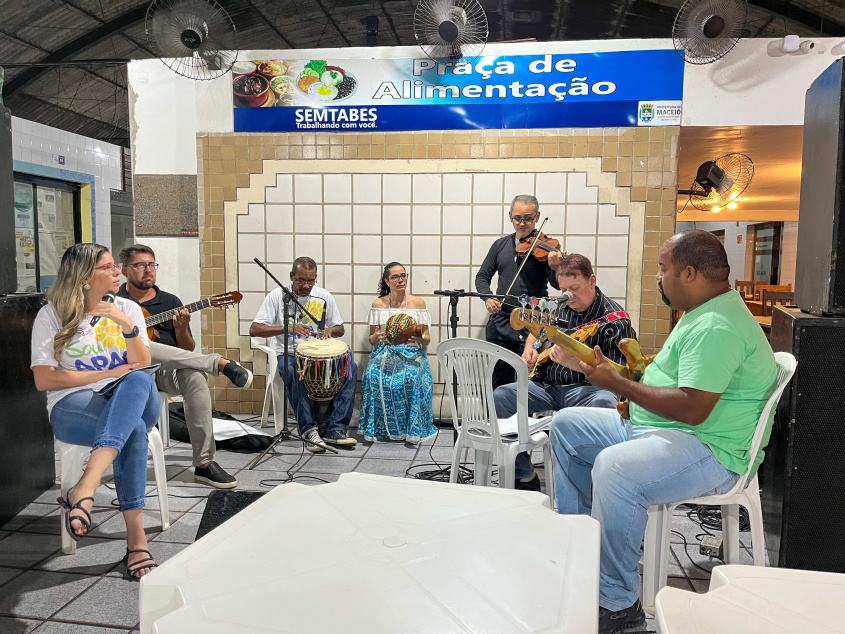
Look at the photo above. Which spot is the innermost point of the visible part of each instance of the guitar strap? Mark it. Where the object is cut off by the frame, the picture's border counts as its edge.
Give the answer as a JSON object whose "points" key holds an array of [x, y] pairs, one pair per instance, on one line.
{"points": [[619, 314]]}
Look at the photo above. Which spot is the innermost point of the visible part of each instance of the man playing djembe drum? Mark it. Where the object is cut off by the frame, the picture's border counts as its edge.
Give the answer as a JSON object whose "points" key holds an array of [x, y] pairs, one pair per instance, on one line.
{"points": [[268, 323]]}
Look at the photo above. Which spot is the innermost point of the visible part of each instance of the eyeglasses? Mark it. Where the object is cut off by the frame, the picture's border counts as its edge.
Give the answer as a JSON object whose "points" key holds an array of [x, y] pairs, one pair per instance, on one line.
{"points": [[303, 282], [140, 266], [520, 220], [401, 276], [110, 268]]}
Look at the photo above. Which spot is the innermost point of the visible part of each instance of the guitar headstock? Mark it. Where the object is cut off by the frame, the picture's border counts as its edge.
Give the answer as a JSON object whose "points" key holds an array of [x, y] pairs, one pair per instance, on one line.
{"points": [[226, 299], [532, 318]]}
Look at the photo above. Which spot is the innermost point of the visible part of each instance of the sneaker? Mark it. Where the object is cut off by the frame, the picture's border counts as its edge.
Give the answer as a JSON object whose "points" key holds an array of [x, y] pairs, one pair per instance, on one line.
{"points": [[611, 622], [237, 374], [213, 475], [314, 436], [340, 438], [530, 484]]}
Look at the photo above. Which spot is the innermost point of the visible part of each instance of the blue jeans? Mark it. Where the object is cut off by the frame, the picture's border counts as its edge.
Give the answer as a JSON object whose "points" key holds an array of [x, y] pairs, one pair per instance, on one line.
{"points": [[613, 471], [121, 422], [543, 397], [341, 415]]}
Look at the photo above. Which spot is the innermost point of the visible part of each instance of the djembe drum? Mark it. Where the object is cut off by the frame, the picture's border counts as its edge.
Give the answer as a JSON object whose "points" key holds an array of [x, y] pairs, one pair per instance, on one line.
{"points": [[323, 365]]}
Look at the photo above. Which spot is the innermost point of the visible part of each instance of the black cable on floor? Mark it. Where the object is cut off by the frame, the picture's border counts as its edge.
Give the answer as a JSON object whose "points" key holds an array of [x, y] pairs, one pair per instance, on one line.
{"points": [[711, 517]]}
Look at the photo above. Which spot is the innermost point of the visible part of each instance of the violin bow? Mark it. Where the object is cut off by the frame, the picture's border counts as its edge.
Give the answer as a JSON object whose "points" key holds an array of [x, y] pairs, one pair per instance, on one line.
{"points": [[525, 259]]}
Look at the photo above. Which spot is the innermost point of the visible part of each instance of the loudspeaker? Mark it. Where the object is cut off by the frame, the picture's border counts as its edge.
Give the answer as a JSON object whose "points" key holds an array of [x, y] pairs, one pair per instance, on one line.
{"points": [[819, 277], [8, 269], [803, 474]]}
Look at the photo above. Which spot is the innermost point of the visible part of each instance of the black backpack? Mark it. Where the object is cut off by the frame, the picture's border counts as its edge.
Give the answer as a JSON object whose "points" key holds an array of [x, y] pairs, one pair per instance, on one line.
{"points": [[248, 443]]}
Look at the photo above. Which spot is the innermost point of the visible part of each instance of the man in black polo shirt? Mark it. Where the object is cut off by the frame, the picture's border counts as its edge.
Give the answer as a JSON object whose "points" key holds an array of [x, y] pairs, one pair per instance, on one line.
{"points": [[534, 281], [182, 370], [560, 383]]}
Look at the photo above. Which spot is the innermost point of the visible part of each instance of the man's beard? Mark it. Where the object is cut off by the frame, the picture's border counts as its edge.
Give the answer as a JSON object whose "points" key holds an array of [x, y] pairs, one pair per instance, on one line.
{"points": [[144, 284], [663, 295]]}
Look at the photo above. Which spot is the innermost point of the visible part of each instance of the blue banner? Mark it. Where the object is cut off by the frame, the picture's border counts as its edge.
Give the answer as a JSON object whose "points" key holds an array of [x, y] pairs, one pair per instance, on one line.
{"points": [[616, 89]]}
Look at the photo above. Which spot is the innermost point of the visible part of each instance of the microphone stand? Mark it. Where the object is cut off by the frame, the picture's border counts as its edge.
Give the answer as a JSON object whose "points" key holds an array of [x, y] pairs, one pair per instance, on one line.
{"points": [[288, 297]]}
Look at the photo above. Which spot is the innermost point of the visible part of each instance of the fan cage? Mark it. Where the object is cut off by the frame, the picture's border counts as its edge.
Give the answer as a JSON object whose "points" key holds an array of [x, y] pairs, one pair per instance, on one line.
{"points": [[167, 20], [469, 19], [739, 171], [707, 30]]}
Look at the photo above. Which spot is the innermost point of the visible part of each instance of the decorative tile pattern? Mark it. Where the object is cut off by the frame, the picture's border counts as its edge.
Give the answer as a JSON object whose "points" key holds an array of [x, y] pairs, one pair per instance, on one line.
{"points": [[424, 213]]}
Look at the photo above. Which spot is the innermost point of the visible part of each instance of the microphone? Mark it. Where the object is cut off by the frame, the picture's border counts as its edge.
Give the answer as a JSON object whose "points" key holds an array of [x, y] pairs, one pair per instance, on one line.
{"points": [[108, 297], [567, 296]]}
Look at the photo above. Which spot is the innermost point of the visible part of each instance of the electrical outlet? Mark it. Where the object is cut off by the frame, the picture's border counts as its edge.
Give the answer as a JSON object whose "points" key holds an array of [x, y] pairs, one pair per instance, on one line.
{"points": [[711, 546]]}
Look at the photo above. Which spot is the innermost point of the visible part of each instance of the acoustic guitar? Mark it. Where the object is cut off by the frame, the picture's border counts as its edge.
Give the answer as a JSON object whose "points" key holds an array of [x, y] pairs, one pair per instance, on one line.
{"points": [[225, 300], [540, 322]]}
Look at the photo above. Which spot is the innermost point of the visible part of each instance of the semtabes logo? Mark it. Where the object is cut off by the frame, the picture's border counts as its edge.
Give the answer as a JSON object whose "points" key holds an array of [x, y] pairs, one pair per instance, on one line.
{"points": [[646, 112]]}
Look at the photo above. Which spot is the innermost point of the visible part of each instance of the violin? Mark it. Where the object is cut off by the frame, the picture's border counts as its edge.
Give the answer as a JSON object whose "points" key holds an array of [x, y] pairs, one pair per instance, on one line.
{"points": [[545, 245]]}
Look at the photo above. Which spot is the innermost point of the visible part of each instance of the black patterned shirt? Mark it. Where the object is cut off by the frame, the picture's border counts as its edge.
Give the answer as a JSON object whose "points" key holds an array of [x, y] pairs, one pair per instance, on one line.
{"points": [[607, 338]]}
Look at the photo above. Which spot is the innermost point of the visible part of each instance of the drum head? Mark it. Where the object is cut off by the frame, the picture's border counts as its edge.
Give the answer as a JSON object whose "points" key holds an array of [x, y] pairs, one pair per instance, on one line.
{"points": [[322, 348]]}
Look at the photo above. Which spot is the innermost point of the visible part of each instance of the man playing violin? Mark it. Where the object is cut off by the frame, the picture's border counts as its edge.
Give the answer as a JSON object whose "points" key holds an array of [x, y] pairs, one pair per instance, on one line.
{"points": [[533, 280], [692, 419], [560, 382], [183, 371]]}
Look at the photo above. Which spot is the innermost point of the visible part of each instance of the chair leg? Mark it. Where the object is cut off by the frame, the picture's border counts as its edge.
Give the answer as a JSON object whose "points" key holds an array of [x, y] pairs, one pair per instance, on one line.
{"points": [[157, 452], [164, 419], [456, 458], [507, 469], [550, 476], [72, 460], [656, 553], [278, 404], [482, 468], [265, 410], [730, 533], [755, 517]]}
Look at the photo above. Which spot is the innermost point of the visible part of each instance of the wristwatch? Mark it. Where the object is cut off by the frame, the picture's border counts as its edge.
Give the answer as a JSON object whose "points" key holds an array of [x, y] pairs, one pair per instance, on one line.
{"points": [[132, 334]]}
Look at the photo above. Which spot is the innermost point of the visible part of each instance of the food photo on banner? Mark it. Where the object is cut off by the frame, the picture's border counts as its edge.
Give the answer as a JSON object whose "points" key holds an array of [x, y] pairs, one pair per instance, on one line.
{"points": [[623, 88]]}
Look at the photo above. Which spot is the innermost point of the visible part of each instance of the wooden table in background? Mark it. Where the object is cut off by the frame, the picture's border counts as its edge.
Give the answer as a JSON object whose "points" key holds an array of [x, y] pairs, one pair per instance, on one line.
{"points": [[756, 307]]}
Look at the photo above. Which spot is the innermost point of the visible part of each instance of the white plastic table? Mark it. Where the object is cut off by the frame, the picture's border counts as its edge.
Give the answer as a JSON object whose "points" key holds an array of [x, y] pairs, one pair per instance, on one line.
{"points": [[381, 554], [756, 600]]}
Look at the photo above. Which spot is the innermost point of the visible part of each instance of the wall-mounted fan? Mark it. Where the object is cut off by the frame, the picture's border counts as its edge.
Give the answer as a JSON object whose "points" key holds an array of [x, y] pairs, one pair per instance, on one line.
{"points": [[195, 38], [706, 30], [451, 29], [721, 181]]}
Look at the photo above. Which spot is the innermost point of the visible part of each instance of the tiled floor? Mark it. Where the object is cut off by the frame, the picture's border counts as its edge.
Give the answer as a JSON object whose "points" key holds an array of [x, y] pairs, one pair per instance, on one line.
{"points": [[46, 592]]}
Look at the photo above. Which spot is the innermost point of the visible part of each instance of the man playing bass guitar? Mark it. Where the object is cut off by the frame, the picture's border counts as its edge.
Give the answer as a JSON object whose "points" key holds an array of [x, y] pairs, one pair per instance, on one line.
{"points": [[182, 371], [560, 383]]}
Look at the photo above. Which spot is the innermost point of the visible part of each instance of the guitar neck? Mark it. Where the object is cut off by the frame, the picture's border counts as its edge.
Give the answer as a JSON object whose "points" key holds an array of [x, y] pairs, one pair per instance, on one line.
{"points": [[167, 315]]}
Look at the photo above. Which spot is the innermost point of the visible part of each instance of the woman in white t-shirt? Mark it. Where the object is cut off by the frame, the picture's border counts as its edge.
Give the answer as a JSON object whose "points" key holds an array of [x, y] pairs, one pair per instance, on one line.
{"points": [[397, 381], [81, 344]]}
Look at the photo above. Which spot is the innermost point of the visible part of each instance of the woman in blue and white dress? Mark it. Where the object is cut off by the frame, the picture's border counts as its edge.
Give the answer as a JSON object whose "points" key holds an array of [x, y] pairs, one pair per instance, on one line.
{"points": [[397, 381]]}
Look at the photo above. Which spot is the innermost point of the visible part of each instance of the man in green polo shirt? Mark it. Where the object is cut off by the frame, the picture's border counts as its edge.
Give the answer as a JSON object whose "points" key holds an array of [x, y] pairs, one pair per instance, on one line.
{"points": [[692, 419]]}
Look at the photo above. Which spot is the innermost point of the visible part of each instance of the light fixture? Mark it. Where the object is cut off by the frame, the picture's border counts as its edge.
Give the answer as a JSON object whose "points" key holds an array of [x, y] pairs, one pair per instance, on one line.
{"points": [[731, 206], [716, 209]]}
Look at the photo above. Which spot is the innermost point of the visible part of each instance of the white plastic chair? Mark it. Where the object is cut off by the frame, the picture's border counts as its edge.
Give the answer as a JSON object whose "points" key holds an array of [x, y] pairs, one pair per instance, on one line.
{"points": [[164, 417], [73, 457], [473, 361], [275, 390], [656, 544]]}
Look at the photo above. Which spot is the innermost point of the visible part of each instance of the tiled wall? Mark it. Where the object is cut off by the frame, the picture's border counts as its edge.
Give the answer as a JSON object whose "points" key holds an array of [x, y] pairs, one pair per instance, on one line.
{"points": [[36, 144], [608, 192]]}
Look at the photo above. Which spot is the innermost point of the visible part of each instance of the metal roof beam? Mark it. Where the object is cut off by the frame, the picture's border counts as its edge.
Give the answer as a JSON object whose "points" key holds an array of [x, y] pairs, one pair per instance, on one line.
{"points": [[77, 46], [823, 25], [270, 24]]}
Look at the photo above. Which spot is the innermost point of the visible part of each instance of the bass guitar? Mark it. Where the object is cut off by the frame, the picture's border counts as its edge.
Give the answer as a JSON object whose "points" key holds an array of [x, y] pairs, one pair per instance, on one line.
{"points": [[541, 323], [225, 300]]}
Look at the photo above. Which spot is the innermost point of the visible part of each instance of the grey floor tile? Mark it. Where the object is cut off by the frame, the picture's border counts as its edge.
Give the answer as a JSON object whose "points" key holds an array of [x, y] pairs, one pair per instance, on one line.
{"points": [[115, 528], [26, 549], [52, 523], [55, 627], [17, 626], [177, 475], [680, 583], [250, 480], [315, 479], [354, 451], [40, 593], [27, 515], [392, 450], [329, 464], [675, 568], [93, 557], [183, 530], [50, 496], [698, 570], [5, 534], [198, 508], [179, 498], [7, 574], [395, 468], [230, 460], [700, 585], [162, 551], [282, 462], [111, 601]]}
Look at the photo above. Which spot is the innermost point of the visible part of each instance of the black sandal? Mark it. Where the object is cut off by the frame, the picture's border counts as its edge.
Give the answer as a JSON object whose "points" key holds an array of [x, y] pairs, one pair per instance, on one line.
{"points": [[132, 571], [86, 521]]}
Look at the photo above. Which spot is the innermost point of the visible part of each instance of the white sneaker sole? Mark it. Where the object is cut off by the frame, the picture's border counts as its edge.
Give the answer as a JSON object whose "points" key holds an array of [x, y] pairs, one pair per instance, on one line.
{"points": [[216, 485]]}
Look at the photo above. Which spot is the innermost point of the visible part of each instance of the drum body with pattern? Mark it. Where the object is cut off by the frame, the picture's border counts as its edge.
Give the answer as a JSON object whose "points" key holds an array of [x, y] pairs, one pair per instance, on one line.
{"points": [[323, 364]]}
